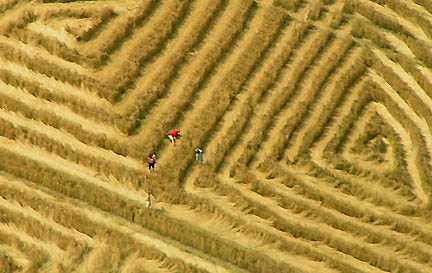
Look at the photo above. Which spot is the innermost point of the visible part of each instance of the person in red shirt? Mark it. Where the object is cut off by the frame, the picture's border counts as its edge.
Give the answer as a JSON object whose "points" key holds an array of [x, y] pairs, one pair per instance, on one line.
{"points": [[173, 135]]}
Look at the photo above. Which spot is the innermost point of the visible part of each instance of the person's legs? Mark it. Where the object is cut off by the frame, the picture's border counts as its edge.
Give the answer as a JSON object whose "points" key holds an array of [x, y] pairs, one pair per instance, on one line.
{"points": [[171, 138]]}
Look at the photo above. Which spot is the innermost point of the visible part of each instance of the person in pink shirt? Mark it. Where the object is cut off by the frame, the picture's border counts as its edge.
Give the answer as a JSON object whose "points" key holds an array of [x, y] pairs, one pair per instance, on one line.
{"points": [[151, 161]]}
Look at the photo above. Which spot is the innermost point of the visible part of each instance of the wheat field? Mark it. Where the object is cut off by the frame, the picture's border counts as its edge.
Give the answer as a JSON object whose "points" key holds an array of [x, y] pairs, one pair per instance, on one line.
{"points": [[315, 117]]}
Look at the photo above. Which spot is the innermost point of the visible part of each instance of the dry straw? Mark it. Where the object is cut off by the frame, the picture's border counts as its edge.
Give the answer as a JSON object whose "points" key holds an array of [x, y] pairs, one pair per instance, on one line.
{"points": [[109, 240], [57, 121], [77, 105], [146, 44], [292, 5], [7, 4], [407, 10], [307, 230], [348, 77], [108, 41], [202, 71], [190, 36], [228, 86], [285, 94], [77, 188], [208, 57]]}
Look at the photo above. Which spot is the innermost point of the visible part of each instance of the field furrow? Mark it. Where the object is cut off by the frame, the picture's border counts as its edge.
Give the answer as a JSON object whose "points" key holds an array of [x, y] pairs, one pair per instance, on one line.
{"points": [[406, 87], [386, 18], [362, 174], [408, 120], [425, 4], [314, 207], [379, 227], [421, 142], [12, 260], [45, 255], [421, 74]]}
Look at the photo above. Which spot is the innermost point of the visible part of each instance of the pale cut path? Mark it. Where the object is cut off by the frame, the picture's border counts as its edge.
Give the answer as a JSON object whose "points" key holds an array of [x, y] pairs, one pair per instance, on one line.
{"points": [[418, 225], [42, 53], [339, 236], [330, 215], [317, 149], [87, 175], [203, 100]]}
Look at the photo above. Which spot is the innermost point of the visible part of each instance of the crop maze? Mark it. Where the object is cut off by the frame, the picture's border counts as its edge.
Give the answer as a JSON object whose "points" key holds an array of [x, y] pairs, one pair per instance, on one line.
{"points": [[315, 117]]}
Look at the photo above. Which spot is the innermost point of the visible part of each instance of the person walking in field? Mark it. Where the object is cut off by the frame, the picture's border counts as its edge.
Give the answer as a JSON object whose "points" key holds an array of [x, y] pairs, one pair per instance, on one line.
{"points": [[148, 201], [199, 155], [151, 161], [173, 135]]}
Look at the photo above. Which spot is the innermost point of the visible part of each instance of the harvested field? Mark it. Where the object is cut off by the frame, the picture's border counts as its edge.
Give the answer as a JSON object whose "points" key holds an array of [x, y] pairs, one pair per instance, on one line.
{"points": [[315, 117]]}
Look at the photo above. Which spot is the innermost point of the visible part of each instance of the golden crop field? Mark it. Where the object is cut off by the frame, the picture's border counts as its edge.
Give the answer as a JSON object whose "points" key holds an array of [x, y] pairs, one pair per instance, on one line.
{"points": [[315, 117]]}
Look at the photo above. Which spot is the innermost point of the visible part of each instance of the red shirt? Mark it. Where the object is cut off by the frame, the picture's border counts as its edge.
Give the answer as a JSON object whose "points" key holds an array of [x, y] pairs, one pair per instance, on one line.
{"points": [[173, 132], [150, 159]]}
